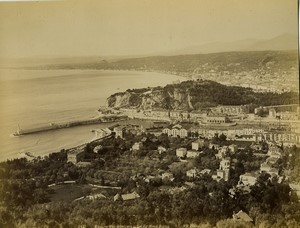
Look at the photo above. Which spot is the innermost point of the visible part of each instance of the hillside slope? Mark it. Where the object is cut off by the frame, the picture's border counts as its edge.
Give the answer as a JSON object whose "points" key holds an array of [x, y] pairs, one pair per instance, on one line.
{"points": [[271, 61], [195, 95]]}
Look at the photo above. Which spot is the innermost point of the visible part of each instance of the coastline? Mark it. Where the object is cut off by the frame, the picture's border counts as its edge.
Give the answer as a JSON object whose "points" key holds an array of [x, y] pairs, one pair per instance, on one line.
{"points": [[65, 144], [33, 110], [42, 154], [78, 71]]}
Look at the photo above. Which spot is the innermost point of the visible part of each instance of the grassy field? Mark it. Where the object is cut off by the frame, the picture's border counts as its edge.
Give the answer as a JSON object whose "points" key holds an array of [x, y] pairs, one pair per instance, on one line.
{"points": [[69, 192]]}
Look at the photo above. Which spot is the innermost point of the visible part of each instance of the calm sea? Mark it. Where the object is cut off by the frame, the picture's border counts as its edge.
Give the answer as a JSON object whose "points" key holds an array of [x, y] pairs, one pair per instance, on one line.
{"points": [[34, 98]]}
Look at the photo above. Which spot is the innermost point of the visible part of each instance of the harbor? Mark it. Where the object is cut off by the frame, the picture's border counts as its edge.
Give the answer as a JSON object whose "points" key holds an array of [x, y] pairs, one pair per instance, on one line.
{"points": [[69, 124]]}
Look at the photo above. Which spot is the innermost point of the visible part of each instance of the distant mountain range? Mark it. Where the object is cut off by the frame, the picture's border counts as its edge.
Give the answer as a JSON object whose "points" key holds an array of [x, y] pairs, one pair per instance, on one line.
{"points": [[282, 42]]}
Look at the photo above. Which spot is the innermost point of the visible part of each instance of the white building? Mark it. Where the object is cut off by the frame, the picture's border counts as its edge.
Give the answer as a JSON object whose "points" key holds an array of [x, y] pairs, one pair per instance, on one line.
{"points": [[266, 168], [225, 163], [181, 152], [137, 146], [192, 173], [192, 153], [118, 132], [274, 151], [161, 149], [160, 113], [223, 174], [248, 179], [233, 148], [179, 115], [176, 130], [224, 170], [167, 175], [199, 143], [212, 118], [100, 133], [205, 171], [231, 109], [272, 113], [222, 152], [97, 148]]}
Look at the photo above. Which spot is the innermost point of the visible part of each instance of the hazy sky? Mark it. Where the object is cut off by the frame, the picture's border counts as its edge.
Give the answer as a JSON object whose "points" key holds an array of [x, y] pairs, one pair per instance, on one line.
{"points": [[118, 27]]}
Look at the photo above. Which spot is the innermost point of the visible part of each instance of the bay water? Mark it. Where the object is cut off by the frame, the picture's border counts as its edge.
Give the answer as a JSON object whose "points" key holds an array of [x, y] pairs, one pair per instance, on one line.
{"points": [[33, 98]]}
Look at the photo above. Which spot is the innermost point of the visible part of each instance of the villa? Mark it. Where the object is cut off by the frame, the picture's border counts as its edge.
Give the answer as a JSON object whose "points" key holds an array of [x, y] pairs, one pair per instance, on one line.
{"points": [[248, 179]]}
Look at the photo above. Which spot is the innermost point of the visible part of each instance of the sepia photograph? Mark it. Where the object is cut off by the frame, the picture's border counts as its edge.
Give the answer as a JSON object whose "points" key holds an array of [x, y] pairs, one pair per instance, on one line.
{"points": [[149, 113]]}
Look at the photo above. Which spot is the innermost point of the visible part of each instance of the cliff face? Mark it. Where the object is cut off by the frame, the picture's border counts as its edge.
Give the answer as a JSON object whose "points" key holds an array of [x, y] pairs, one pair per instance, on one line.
{"points": [[176, 99], [181, 96], [195, 95]]}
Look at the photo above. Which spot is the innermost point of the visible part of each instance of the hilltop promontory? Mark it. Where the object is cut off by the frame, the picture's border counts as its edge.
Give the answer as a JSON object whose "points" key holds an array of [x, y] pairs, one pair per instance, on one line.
{"points": [[194, 95]]}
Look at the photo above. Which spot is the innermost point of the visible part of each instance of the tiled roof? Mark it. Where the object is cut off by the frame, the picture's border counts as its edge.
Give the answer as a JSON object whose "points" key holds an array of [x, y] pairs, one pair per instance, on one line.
{"points": [[130, 196], [242, 216]]}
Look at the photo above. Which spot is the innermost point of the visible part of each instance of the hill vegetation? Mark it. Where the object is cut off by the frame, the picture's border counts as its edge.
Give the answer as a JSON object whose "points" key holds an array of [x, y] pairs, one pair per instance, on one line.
{"points": [[195, 95], [29, 199]]}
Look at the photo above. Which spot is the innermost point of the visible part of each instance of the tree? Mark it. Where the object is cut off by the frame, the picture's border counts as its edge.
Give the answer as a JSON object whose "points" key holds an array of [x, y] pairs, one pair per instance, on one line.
{"points": [[222, 137]]}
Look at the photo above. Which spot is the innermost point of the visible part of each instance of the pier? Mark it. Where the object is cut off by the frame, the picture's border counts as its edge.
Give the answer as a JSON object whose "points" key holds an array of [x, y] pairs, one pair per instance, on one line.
{"points": [[69, 124]]}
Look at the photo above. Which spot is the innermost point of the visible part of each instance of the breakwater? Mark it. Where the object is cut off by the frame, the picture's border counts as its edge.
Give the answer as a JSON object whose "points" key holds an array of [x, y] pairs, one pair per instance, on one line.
{"points": [[56, 126]]}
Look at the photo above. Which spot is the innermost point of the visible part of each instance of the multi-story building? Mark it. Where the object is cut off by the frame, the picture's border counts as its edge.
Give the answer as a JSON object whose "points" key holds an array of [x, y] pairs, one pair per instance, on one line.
{"points": [[287, 115], [192, 153], [176, 130], [216, 119], [192, 173], [179, 115], [233, 148], [272, 113], [199, 143], [75, 156], [160, 113], [223, 174], [279, 137], [231, 109], [118, 131], [195, 115], [224, 170]]}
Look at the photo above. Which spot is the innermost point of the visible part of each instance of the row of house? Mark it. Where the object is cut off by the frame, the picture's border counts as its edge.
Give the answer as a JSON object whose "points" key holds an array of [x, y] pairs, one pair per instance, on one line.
{"points": [[160, 113], [287, 138], [230, 133], [284, 114], [231, 109], [183, 152], [239, 134], [194, 172]]}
